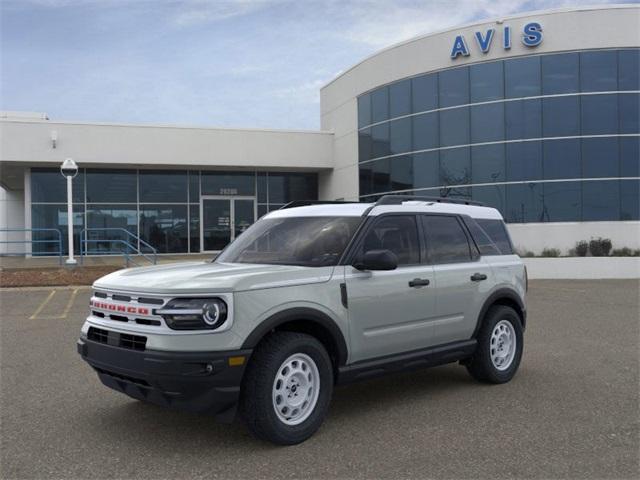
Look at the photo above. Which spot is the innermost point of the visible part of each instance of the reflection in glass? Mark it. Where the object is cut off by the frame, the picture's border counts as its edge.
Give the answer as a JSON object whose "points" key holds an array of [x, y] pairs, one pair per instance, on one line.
{"points": [[243, 216], [365, 145], [163, 186], [523, 119], [402, 173], [53, 216], [107, 226], [488, 164], [562, 159], [524, 203], [165, 227], [455, 166], [599, 71], [400, 135], [424, 93], [380, 104], [48, 185], [562, 201], [112, 186], [630, 157], [228, 183], [524, 161], [364, 110], [561, 116], [454, 87], [487, 123], [490, 195], [194, 186], [487, 81], [599, 114], [629, 203], [400, 98], [522, 77], [380, 140], [629, 69], [629, 113], [454, 127], [425, 131], [194, 227], [601, 200], [600, 157], [286, 187], [560, 73], [426, 169]]}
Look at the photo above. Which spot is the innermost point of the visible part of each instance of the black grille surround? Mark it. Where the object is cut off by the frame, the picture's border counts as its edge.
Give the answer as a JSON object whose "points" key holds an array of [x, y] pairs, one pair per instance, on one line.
{"points": [[122, 340]]}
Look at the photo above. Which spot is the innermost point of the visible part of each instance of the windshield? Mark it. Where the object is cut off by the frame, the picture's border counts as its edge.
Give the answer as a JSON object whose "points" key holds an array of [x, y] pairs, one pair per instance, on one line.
{"points": [[304, 241]]}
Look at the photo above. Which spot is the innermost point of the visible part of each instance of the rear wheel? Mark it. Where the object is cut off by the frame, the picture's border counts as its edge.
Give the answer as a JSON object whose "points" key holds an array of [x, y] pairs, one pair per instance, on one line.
{"points": [[287, 388], [500, 346]]}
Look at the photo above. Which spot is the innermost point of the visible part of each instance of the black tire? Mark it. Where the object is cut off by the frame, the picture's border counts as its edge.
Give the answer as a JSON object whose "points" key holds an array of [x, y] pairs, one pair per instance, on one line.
{"points": [[480, 365], [256, 402]]}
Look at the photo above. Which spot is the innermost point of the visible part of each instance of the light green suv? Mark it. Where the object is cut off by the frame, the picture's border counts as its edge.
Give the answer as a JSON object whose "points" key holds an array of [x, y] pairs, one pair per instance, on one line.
{"points": [[308, 297]]}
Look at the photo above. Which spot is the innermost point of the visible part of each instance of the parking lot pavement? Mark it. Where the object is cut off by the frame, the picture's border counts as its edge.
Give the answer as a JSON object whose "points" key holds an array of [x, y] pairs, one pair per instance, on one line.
{"points": [[572, 410]]}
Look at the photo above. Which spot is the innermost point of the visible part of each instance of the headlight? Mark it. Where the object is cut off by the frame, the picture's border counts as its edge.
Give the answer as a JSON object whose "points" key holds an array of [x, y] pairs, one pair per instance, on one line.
{"points": [[194, 313]]}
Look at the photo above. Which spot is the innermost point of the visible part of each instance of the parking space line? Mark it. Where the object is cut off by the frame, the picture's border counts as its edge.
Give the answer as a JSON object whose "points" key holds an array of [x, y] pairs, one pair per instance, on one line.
{"points": [[69, 304], [42, 305]]}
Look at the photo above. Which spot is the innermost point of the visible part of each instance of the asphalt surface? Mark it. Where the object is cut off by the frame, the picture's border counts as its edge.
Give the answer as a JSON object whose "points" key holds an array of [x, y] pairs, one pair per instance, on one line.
{"points": [[572, 411]]}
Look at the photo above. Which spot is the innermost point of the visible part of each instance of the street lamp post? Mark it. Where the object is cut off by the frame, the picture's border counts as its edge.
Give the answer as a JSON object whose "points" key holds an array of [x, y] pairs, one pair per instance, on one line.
{"points": [[69, 170]]}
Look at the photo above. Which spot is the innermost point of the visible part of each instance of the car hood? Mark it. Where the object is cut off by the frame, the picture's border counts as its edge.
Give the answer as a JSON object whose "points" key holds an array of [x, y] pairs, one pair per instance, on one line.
{"points": [[206, 277]]}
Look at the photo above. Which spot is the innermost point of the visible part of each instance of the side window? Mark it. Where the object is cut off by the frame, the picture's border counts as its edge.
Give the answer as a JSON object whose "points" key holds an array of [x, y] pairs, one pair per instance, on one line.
{"points": [[482, 240], [398, 233], [446, 240], [497, 233]]}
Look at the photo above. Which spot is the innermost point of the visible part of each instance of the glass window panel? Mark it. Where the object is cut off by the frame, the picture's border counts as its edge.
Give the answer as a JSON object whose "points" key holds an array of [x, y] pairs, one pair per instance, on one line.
{"points": [[381, 176], [629, 199], [629, 69], [275, 206], [165, 227], [380, 140], [455, 166], [402, 173], [487, 81], [426, 169], [487, 164], [524, 203], [463, 193], [600, 157], [562, 201], [380, 105], [424, 93], [163, 186], [48, 185], [599, 71], [487, 123], [630, 156], [365, 144], [261, 185], [522, 77], [454, 127], [560, 73], [599, 114], [629, 113], [228, 183], [561, 116], [107, 226], [491, 196], [366, 178], [523, 119], [524, 161], [454, 87], [425, 131], [194, 228], [446, 240], [287, 187], [397, 233], [262, 210], [112, 186], [400, 135], [400, 98], [364, 110], [600, 200], [562, 159], [194, 186], [53, 216]]}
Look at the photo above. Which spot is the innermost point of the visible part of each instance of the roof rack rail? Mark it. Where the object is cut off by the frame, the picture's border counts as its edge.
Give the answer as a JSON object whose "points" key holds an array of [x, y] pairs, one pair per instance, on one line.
{"points": [[398, 199], [306, 203]]}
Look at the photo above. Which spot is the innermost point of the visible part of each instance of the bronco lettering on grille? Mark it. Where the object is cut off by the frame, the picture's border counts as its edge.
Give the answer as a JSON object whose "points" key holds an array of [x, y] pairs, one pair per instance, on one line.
{"points": [[119, 308]]}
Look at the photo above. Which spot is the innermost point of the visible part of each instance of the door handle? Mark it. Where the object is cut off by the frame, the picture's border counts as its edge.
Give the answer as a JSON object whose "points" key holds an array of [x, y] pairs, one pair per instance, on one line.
{"points": [[419, 282], [477, 277]]}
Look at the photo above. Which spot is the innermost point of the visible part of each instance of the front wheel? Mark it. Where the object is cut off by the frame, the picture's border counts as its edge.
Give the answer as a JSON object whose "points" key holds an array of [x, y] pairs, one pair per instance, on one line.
{"points": [[500, 345], [287, 388]]}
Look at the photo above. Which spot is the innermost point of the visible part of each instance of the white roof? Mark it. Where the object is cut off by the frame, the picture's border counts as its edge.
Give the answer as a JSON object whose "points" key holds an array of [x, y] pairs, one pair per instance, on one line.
{"points": [[357, 209]]}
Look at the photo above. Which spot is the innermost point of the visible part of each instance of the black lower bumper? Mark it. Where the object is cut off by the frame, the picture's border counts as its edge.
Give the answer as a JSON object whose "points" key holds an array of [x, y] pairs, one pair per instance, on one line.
{"points": [[201, 382]]}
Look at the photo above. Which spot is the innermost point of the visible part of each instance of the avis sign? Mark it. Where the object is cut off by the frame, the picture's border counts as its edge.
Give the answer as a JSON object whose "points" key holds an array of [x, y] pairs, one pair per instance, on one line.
{"points": [[531, 37]]}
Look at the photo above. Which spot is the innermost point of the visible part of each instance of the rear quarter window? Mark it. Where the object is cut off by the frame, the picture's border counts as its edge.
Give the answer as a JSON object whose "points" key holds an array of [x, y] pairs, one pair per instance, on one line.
{"points": [[497, 232]]}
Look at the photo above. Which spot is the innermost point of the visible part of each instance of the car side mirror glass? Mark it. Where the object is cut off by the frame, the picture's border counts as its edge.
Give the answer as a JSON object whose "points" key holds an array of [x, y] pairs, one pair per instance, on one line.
{"points": [[377, 260]]}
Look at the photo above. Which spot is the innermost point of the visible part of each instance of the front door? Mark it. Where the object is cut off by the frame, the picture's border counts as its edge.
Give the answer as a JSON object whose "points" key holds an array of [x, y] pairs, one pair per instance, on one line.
{"points": [[222, 219]]}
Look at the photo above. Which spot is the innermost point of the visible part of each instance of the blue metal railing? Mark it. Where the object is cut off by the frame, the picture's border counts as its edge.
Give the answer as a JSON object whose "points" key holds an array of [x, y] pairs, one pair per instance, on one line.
{"points": [[31, 241], [131, 245]]}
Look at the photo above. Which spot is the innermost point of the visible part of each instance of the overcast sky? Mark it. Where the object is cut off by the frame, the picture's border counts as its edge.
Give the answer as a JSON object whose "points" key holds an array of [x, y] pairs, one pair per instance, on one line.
{"points": [[231, 63]]}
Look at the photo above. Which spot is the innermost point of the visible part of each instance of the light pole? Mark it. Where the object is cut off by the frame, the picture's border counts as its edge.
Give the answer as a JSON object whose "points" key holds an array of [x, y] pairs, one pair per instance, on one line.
{"points": [[69, 170]]}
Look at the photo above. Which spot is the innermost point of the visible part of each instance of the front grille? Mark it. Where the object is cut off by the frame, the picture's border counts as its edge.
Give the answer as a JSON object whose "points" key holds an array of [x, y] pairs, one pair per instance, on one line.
{"points": [[122, 340], [129, 308], [119, 376]]}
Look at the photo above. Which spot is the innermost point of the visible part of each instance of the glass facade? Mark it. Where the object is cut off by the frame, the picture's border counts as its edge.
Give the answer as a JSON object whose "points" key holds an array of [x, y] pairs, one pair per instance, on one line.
{"points": [[544, 138], [162, 207]]}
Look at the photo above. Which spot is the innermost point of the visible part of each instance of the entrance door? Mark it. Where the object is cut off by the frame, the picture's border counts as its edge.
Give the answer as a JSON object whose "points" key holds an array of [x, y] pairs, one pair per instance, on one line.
{"points": [[222, 219]]}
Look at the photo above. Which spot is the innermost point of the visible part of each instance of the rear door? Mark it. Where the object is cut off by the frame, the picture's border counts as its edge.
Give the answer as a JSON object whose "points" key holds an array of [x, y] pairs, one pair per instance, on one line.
{"points": [[391, 311], [462, 278]]}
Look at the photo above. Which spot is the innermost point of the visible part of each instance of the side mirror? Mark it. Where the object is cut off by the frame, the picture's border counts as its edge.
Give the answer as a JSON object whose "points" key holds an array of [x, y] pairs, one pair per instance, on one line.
{"points": [[377, 260]]}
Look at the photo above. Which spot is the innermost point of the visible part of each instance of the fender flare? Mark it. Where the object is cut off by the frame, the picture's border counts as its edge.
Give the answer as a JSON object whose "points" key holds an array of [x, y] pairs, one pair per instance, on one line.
{"points": [[300, 314], [502, 293]]}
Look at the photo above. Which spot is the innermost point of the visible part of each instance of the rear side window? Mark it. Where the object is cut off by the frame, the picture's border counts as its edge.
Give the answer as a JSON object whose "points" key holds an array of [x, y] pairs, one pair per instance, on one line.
{"points": [[482, 240], [398, 233], [497, 232], [446, 240]]}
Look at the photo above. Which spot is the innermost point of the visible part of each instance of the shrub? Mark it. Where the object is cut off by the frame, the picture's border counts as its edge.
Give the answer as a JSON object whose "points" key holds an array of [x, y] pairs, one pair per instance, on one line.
{"points": [[625, 252], [525, 253], [581, 249], [550, 252], [600, 247]]}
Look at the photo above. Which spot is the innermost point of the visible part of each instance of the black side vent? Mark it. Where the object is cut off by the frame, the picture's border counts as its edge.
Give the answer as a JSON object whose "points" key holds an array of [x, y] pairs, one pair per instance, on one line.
{"points": [[98, 335], [122, 340], [133, 342]]}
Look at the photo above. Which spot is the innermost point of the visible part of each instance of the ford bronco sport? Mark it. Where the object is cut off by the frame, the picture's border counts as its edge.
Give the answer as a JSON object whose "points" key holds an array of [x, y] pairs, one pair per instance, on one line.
{"points": [[308, 297]]}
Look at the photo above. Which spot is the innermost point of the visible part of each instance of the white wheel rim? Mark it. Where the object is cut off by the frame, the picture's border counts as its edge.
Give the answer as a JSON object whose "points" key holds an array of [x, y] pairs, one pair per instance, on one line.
{"points": [[295, 389], [503, 345]]}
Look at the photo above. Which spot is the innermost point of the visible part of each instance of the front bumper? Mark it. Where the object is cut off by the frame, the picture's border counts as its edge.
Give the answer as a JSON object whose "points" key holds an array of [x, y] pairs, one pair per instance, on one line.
{"points": [[201, 382]]}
